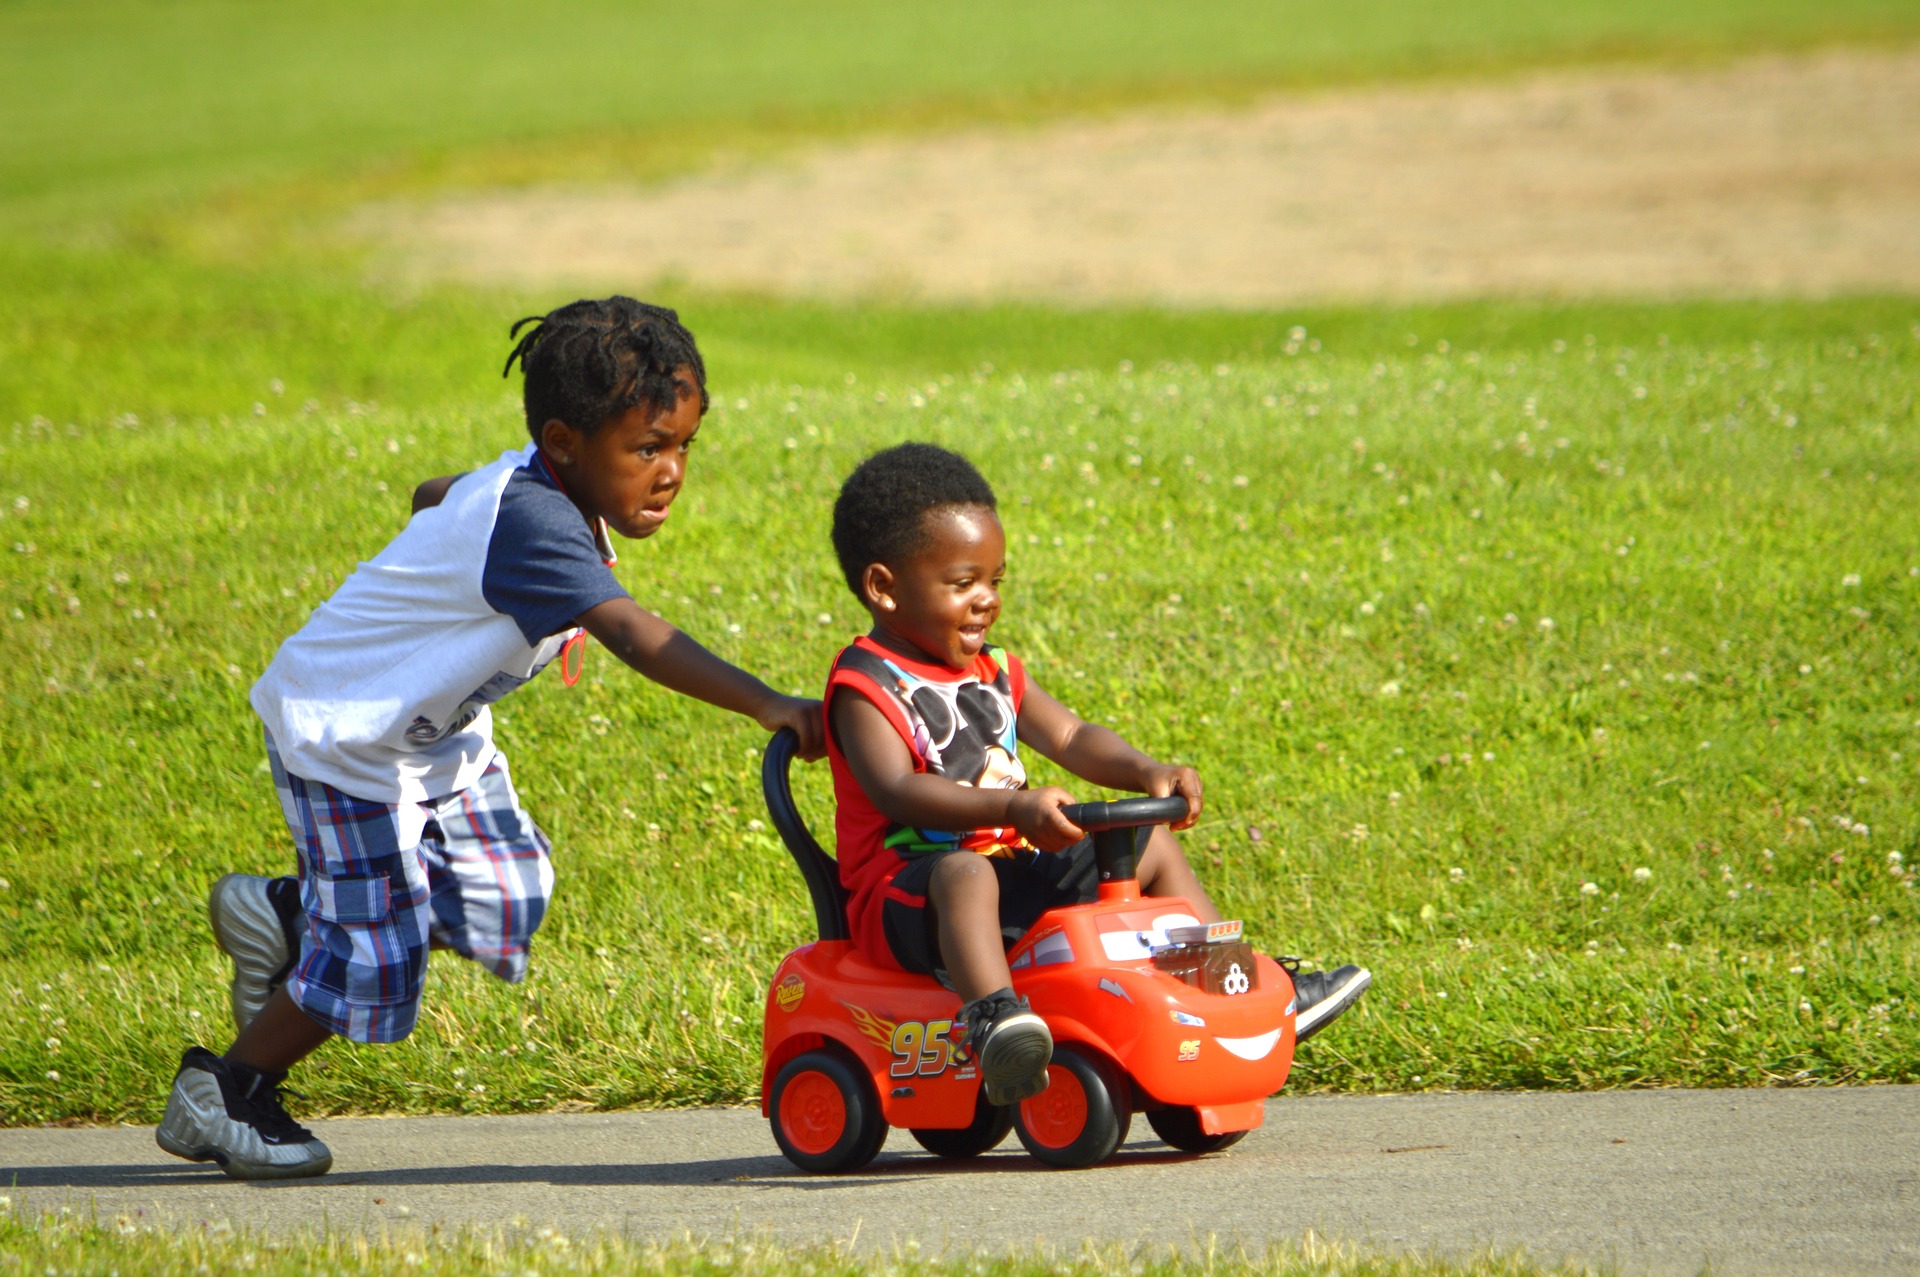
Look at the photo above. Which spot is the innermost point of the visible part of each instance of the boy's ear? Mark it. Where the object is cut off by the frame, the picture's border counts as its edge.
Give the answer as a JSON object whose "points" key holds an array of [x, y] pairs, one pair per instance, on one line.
{"points": [[559, 441], [876, 587]]}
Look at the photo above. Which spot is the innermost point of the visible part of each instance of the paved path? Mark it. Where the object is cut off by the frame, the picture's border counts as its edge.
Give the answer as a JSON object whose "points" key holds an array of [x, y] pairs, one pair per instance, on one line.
{"points": [[1756, 1182]]}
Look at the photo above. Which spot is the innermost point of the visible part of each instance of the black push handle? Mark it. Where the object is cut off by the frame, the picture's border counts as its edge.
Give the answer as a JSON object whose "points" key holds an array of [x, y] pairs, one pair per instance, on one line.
{"points": [[821, 870], [1126, 812]]}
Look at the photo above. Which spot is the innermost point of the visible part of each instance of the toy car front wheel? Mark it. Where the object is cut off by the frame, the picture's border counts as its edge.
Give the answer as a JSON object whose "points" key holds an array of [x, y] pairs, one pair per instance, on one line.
{"points": [[825, 1116], [990, 1125], [1181, 1128], [1080, 1118]]}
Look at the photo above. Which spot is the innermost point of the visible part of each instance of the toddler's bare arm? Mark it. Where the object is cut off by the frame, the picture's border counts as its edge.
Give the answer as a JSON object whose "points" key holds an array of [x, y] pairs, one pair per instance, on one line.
{"points": [[1100, 754], [883, 767]]}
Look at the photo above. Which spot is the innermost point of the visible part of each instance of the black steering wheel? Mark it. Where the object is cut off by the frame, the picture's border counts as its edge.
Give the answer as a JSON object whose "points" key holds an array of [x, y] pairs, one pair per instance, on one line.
{"points": [[1126, 813], [1119, 830]]}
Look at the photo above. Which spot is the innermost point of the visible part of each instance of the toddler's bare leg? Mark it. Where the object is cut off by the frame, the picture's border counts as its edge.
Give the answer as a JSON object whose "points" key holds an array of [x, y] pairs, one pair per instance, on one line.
{"points": [[280, 1036], [964, 896], [1164, 871]]}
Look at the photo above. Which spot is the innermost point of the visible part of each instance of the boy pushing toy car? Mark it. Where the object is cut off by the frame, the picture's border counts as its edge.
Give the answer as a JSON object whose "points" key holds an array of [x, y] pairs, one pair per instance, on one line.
{"points": [[408, 832]]}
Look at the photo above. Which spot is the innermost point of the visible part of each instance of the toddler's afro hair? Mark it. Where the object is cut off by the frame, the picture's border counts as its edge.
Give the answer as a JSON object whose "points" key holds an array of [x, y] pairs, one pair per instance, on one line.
{"points": [[590, 361], [881, 513]]}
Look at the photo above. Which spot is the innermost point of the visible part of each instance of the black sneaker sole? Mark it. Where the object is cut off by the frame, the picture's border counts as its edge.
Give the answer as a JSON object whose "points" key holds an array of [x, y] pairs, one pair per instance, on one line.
{"points": [[1330, 1008], [1013, 1064]]}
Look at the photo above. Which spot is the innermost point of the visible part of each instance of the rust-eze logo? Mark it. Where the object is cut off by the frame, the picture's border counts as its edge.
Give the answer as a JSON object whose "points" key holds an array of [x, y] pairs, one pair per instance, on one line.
{"points": [[789, 992]]}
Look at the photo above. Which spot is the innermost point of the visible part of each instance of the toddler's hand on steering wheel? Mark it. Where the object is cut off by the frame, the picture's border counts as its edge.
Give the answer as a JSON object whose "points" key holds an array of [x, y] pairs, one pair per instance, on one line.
{"points": [[1164, 781], [1036, 814]]}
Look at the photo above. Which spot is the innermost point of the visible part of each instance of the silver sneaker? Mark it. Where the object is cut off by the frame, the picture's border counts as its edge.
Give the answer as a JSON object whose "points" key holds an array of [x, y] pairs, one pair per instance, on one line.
{"points": [[232, 1115], [258, 923]]}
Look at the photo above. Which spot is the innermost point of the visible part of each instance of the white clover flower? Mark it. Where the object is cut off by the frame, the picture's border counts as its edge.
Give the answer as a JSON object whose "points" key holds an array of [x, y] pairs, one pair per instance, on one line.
{"points": [[1390, 688], [1806, 1007], [825, 618], [1457, 874], [1642, 874], [1546, 622], [1589, 888], [1850, 580]]}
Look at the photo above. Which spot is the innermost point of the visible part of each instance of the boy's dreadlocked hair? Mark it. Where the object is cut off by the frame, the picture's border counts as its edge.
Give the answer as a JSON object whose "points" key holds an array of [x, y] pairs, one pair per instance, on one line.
{"points": [[590, 361], [881, 513]]}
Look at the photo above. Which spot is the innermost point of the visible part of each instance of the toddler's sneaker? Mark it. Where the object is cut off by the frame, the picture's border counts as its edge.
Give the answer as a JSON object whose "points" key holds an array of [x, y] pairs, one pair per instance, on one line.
{"points": [[1011, 1045], [232, 1114], [257, 922], [1320, 996]]}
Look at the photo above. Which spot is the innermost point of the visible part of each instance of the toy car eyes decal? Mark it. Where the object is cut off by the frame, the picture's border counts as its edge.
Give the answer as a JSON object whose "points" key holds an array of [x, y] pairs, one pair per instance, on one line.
{"points": [[1124, 946]]}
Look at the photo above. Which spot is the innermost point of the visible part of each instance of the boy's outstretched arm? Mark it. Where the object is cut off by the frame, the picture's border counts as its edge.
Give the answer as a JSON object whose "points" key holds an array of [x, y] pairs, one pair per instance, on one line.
{"points": [[883, 767], [664, 654], [1099, 754]]}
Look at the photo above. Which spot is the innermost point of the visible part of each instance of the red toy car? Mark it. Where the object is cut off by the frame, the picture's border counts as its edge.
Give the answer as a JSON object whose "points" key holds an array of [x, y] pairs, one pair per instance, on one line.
{"points": [[1151, 1011]]}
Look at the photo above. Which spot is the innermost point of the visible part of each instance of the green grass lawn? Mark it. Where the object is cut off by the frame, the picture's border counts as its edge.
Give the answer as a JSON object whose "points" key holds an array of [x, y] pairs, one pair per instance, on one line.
{"points": [[1459, 611], [1469, 615]]}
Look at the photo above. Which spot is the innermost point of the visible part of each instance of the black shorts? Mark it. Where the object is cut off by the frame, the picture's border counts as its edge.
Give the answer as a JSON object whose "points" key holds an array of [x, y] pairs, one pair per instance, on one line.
{"points": [[1031, 882]]}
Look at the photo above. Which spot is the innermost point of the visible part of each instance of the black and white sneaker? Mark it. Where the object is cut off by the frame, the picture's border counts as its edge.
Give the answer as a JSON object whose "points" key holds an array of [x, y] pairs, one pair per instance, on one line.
{"points": [[258, 923], [1011, 1045], [1321, 996], [232, 1114]]}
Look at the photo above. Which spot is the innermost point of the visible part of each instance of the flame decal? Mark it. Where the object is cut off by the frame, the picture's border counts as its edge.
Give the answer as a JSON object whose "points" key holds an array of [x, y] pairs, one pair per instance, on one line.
{"points": [[881, 1031]]}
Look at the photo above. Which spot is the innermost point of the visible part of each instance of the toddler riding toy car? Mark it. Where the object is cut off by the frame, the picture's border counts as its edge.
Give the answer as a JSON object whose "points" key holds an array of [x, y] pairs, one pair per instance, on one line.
{"points": [[1151, 1011]]}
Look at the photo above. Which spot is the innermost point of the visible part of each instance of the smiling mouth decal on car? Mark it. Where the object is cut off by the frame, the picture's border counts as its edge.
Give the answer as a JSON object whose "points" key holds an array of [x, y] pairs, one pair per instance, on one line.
{"points": [[1254, 1048]]}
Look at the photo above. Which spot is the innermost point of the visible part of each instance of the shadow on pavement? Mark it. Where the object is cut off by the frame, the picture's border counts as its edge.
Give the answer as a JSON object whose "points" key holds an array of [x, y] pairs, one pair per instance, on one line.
{"points": [[746, 1172]]}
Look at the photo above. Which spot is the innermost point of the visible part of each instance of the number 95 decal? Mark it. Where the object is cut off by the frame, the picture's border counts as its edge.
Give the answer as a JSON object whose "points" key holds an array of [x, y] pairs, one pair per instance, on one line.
{"points": [[921, 1049]]}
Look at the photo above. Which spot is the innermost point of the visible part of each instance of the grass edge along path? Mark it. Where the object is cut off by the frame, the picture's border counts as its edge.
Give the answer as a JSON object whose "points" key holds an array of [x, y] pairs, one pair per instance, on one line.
{"points": [[127, 1245]]}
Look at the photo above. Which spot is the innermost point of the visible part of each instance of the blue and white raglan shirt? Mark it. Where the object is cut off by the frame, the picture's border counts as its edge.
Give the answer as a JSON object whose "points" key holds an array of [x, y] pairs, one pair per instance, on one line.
{"points": [[384, 693]]}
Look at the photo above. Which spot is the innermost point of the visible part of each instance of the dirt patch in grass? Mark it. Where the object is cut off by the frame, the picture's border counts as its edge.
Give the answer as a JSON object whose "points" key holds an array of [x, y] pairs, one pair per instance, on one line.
{"points": [[1771, 177]]}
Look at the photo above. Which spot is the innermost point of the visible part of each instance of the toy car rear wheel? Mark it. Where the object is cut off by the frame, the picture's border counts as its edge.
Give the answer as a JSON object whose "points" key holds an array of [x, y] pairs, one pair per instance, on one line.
{"points": [[1181, 1128], [824, 1113], [990, 1125], [1080, 1118]]}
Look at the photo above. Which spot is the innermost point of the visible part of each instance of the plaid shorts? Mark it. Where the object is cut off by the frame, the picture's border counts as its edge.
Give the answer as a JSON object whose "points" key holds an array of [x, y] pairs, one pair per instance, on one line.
{"points": [[380, 882]]}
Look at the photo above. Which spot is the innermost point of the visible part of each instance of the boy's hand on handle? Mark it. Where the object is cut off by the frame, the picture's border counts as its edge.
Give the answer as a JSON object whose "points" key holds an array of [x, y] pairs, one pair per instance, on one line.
{"points": [[804, 717], [1164, 782], [1036, 814]]}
